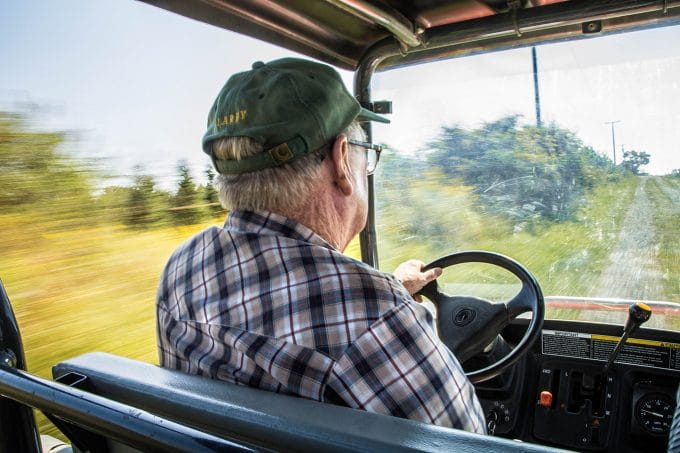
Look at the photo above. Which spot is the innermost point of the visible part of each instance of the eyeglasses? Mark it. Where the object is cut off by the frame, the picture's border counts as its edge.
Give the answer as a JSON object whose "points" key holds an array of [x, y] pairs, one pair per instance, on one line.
{"points": [[372, 154]]}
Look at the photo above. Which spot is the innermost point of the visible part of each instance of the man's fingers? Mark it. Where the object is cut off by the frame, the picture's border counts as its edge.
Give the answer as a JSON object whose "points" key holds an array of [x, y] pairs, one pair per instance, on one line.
{"points": [[413, 277], [432, 274]]}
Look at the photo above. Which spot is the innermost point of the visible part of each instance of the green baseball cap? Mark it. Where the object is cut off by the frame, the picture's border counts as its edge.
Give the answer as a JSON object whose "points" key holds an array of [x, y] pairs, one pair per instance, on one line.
{"points": [[291, 106]]}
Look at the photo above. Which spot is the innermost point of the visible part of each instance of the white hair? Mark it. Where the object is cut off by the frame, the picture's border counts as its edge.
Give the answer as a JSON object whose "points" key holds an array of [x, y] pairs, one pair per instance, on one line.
{"points": [[282, 189]]}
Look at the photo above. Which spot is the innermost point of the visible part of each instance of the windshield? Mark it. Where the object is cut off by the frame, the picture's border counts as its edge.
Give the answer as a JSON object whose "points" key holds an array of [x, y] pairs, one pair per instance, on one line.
{"points": [[573, 170]]}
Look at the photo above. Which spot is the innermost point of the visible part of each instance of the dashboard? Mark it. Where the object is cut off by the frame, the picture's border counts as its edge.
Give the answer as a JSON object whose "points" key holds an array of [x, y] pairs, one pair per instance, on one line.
{"points": [[560, 394]]}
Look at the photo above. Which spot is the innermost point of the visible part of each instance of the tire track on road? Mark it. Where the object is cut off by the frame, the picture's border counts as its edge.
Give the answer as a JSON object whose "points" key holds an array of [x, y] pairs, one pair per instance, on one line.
{"points": [[633, 271], [672, 193]]}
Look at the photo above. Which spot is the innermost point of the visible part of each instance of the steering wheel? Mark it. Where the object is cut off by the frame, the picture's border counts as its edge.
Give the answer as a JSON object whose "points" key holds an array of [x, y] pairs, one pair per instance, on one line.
{"points": [[468, 324]]}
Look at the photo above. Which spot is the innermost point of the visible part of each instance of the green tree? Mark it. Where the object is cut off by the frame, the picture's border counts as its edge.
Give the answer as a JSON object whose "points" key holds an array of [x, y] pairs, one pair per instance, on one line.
{"points": [[142, 204], [37, 174], [523, 172], [210, 194], [112, 203], [633, 160], [186, 208]]}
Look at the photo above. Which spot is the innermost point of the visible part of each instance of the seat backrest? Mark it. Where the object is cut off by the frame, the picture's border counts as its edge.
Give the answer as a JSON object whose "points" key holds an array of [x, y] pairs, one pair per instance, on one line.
{"points": [[265, 419]]}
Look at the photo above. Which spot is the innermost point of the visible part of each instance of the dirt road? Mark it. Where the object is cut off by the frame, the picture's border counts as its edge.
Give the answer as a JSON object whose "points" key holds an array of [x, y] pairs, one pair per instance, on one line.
{"points": [[633, 272]]}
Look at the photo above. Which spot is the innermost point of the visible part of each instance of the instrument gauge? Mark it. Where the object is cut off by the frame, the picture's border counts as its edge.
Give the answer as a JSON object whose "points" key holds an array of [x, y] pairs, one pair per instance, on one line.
{"points": [[654, 412]]}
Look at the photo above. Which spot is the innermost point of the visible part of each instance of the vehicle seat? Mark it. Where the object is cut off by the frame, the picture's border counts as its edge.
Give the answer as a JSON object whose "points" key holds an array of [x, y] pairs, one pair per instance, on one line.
{"points": [[265, 419]]}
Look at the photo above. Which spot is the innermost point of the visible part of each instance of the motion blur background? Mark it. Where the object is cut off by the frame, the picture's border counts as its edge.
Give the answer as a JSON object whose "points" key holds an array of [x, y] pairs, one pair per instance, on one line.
{"points": [[103, 105]]}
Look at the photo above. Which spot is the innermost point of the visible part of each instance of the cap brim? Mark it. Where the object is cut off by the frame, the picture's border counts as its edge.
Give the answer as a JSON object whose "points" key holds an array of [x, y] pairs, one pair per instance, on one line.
{"points": [[367, 115]]}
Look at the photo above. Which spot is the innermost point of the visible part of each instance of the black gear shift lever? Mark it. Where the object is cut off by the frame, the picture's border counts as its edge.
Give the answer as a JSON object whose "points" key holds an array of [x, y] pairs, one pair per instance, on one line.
{"points": [[638, 314]]}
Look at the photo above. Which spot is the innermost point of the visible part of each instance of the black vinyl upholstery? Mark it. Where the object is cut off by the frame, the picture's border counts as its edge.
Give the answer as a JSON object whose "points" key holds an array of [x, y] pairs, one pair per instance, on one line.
{"points": [[264, 419]]}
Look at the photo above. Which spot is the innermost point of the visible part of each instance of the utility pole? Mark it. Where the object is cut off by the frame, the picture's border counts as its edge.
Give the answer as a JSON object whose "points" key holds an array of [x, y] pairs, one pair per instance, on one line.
{"points": [[537, 98], [613, 138]]}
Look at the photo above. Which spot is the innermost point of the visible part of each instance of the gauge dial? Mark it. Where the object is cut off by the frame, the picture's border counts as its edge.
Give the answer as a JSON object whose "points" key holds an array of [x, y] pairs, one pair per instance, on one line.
{"points": [[654, 412]]}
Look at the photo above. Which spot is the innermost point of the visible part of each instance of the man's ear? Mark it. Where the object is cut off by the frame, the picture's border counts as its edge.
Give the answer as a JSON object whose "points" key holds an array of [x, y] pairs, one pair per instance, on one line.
{"points": [[342, 170]]}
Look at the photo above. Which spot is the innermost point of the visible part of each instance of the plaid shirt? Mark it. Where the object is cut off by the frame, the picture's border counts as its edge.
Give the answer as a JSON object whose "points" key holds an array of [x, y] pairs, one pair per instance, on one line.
{"points": [[266, 302]]}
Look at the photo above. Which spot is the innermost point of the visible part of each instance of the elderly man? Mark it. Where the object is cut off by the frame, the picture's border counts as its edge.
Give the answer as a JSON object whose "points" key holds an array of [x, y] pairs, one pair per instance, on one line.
{"points": [[269, 300]]}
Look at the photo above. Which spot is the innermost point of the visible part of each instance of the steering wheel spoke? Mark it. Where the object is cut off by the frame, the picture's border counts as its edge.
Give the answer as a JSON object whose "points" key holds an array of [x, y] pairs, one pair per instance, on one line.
{"points": [[521, 303], [468, 324]]}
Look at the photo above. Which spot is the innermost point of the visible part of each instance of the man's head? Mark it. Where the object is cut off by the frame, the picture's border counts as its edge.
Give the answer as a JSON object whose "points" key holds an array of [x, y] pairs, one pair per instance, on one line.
{"points": [[271, 131]]}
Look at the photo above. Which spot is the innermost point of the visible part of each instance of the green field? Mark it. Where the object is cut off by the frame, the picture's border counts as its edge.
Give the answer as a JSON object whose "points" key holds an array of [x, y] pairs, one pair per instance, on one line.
{"points": [[76, 290], [567, 257], [93, 289], [84, 290], [81, 258], [664, 194]]}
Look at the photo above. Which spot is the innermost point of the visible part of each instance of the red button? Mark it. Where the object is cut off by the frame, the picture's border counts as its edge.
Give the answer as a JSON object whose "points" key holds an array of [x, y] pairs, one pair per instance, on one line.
{"points": [[546, 399]]}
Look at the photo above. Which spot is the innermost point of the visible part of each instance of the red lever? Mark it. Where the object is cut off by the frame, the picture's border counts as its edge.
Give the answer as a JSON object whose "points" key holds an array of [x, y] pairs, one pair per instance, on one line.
{"points": [[546, 399]]}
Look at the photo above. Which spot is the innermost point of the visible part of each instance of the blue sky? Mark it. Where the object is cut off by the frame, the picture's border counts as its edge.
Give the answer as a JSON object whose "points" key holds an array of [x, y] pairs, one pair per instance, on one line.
{"points": [[631, 78], [133, 84], [134, 81]]}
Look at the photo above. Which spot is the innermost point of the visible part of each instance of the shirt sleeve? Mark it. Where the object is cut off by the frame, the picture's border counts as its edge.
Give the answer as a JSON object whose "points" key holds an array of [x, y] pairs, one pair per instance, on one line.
{"points": [[399, 367]]}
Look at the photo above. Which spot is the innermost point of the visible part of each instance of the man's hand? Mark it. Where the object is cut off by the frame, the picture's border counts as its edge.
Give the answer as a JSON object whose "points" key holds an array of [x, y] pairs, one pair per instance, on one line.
{"points": [[411, 275]]}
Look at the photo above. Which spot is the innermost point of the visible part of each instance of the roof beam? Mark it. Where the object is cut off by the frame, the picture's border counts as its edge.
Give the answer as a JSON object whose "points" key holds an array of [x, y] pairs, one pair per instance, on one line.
{"points": [[399, 26]]}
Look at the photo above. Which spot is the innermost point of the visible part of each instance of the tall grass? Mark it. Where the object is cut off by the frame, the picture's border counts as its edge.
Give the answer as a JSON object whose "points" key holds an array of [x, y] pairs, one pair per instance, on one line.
{"points": [[567, 257], [664, 194], [89, 289], [84, 290], [93, 288]]}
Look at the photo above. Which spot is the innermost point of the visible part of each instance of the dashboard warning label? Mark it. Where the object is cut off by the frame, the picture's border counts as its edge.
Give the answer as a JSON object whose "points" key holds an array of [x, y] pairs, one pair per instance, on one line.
{"points": [[636, 351]]}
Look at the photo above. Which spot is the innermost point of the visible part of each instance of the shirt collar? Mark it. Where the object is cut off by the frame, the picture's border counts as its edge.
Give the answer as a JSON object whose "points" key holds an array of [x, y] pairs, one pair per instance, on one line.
{"points": [[272, 224]]}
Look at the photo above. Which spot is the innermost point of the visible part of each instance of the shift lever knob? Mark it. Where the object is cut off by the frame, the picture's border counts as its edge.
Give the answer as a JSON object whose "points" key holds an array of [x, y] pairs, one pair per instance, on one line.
{"points": [[638, 314]]}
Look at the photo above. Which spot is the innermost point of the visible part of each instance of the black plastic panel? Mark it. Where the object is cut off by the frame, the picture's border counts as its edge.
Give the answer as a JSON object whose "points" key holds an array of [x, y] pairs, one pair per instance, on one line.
{"points": [[591, 410]]}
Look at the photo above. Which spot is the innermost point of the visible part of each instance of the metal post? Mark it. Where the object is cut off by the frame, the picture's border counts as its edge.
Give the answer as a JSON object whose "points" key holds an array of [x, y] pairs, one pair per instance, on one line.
{"points": [[613, 138], [367, 238], [17, 423], [362, 91], [537, 97]]}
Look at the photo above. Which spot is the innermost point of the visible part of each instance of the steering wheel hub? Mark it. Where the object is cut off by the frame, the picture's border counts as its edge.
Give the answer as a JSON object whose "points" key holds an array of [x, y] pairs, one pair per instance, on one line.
{"points": [[464, 316]]}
